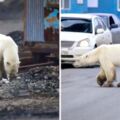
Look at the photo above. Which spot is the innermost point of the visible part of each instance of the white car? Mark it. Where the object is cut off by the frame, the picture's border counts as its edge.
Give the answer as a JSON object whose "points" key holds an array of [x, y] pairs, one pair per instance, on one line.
{"points": [[81, 33]]}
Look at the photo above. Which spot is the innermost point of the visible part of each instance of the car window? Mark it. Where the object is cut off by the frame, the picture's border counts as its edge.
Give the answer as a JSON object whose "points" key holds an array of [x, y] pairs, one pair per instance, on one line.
{"points": [[97, 24], [116, 19], [76, 25], [111, 20], [105, 20], [102, 23]]}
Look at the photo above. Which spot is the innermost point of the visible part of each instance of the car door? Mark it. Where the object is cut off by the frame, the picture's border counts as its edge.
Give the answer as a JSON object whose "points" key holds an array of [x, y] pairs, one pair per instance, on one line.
{"points": [[107, 33], [114, 30], [103, 37]]}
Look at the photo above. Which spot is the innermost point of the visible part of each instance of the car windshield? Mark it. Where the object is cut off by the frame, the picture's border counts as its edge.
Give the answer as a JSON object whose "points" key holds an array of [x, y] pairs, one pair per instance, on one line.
{"points": [[76, 25]]}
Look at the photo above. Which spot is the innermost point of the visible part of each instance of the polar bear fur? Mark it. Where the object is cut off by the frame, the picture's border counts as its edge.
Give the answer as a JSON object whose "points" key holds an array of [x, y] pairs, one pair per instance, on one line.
{"points": [[108, 56], [9, 59]]}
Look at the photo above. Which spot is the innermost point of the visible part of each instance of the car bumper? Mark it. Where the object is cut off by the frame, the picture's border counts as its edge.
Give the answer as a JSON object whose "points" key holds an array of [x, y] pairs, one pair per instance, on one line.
{"points": [[68, 55]]}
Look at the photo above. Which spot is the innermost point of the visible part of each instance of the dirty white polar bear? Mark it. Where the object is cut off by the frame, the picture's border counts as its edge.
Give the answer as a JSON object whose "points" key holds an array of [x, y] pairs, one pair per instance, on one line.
{"points": [[9, 59], [108, 56]]}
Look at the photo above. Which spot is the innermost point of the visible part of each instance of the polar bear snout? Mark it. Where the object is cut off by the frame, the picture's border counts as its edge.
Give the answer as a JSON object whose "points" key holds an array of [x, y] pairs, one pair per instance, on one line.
{"points": [[13, 77], [12, 72], [77, 63]]}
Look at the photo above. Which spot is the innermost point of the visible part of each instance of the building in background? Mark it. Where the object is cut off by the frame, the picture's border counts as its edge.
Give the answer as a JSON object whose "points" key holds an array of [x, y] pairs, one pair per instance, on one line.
{"points": [[34, 26], [37, 19], [42, 21], [11, 16], [89, 6]]}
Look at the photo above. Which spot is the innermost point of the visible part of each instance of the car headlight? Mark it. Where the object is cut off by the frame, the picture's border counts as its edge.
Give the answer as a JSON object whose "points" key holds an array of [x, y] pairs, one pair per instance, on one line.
{"points": [[83, 43]]}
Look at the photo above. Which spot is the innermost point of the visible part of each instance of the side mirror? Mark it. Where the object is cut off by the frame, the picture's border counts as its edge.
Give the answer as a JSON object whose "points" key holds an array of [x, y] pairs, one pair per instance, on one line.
{"points": [[113, 26], [99, 31]]}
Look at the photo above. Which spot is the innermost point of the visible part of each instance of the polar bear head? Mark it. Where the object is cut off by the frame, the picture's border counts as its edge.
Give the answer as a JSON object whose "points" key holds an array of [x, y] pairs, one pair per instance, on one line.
{"points": [[89, 58], [11, 62], [11, 69]]}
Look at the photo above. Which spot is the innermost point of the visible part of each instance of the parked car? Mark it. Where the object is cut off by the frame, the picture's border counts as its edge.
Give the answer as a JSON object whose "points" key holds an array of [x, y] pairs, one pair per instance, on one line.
{"points": [[113, 23], [81, 33]]}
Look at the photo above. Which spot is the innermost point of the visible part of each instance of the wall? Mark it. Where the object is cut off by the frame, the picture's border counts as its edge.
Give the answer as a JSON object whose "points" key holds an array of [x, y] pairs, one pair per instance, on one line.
{"points": [[34, 27], [105, 7], [42, 22], [51, 21], [11, 16], [76, 8]]}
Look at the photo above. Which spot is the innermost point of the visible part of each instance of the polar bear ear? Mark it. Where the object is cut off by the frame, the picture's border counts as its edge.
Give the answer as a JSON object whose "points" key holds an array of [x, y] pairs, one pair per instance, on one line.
{"points": [[19, 62], [8, 63]]}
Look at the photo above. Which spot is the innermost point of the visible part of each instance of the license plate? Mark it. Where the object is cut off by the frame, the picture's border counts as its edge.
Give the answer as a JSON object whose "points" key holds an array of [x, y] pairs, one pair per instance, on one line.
{"points": [[63, 52]]}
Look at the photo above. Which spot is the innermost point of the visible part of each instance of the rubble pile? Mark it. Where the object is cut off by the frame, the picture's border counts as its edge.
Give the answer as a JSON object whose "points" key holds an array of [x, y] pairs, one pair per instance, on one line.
{"points": [[43, 81], [34, 94]]}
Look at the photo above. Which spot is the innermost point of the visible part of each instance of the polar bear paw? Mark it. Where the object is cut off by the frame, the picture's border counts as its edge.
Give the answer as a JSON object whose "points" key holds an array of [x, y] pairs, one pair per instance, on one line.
{"points": [[118, 85], [107, 84], [5, 80], [100, 82]]}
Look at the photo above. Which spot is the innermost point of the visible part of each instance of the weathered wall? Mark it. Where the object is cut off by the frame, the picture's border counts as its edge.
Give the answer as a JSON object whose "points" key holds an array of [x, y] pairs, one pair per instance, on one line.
{"points": [[51, 21]]}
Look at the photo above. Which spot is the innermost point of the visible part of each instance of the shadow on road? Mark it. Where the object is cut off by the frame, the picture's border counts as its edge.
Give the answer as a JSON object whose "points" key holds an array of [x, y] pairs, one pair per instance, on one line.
{"points": [[68, 66]]}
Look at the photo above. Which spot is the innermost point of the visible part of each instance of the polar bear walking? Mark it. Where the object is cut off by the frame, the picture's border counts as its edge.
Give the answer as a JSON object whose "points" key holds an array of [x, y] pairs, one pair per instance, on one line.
{"points": [[9, 59], [108, 56]]}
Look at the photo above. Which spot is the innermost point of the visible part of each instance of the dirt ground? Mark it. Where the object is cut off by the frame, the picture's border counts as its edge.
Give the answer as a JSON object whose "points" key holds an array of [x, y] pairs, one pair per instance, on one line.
{"points": [[29, 108]]}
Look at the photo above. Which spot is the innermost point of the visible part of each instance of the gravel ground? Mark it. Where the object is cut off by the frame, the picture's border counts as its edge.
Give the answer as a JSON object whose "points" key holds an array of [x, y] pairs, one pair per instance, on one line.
{"points": [[34, 94]]}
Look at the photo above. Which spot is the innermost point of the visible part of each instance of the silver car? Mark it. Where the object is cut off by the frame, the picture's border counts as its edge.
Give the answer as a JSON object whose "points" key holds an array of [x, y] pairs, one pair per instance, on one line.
{"points": [[113, 23]]}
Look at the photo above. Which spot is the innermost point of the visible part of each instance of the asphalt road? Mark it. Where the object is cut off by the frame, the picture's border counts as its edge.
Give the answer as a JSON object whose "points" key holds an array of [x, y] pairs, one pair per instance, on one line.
{"points": [[83, 99]]}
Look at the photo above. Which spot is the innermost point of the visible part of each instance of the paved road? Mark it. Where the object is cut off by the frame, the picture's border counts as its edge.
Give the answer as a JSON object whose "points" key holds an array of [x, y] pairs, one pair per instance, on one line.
{"points": [[83, 99]]}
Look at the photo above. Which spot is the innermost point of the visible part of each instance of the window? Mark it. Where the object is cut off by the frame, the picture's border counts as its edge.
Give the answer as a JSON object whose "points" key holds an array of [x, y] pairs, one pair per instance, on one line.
{"points": [[65, 4], [118, 5], [80, 1], [97, 25], [111, 20], [2, 0], [76, 25], [92, 3], [102, 24], [105, 19]]}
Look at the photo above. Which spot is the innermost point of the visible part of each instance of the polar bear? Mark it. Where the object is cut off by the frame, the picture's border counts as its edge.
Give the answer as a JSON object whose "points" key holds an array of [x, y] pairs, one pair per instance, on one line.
{"points": [[108, 56], [9, 58]]}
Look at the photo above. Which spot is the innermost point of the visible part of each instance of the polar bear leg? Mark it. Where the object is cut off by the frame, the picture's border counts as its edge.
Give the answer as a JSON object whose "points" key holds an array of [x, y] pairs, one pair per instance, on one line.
{"points": [[101, 77], [110, 75], [1, 70]]}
